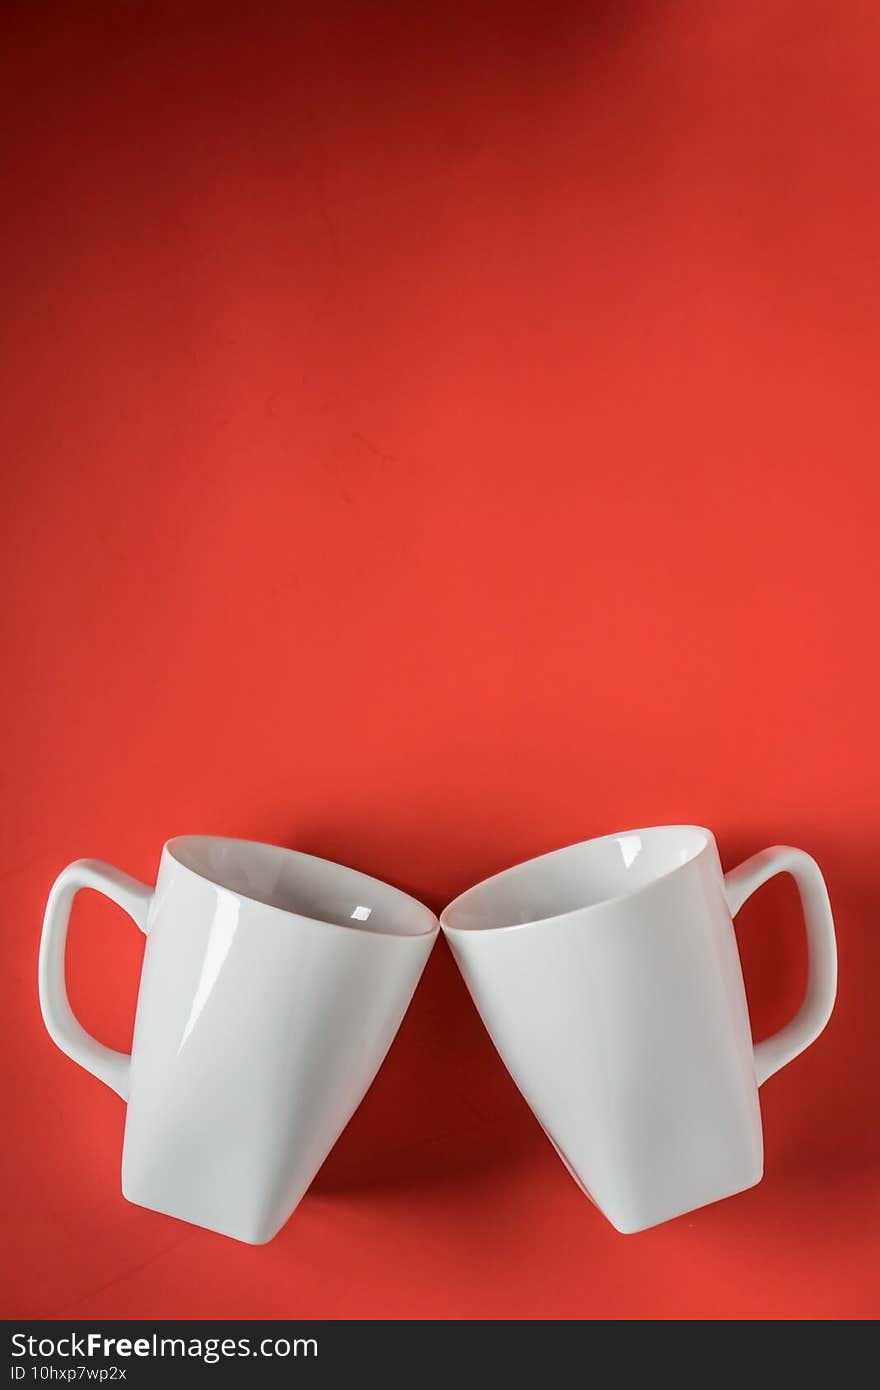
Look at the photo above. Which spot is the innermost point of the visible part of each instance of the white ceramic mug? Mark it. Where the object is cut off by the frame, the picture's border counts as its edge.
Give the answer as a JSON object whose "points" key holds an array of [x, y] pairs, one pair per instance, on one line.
{"points": [[273, 984], [609, 979]]}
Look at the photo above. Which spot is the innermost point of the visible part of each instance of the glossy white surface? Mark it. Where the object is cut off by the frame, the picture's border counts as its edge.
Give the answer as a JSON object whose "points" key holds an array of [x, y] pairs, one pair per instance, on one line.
{"points": [[609, 979], [273, 984]]}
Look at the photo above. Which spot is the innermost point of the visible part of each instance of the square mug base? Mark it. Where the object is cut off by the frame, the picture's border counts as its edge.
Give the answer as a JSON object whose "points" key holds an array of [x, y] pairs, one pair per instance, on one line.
{"points": [[247, 1232]]}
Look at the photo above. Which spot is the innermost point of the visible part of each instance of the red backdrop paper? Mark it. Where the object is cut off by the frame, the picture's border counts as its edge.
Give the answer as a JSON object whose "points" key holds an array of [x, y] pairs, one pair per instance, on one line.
{"points": [[435, 434]]}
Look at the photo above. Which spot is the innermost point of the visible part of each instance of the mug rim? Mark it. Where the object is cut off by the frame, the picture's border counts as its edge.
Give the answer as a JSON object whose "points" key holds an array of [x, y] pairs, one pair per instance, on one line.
{"points": [[431, 927], [548, 855]]}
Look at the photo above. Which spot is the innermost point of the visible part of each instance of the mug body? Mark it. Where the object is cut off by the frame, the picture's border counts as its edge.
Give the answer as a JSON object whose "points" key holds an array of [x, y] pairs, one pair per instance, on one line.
{"points": [[273, 984], [609, 979]]}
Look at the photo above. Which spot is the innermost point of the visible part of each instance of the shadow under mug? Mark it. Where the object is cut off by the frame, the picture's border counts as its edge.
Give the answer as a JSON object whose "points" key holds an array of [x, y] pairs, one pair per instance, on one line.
{"points": [[609, 979], [273, 984]]}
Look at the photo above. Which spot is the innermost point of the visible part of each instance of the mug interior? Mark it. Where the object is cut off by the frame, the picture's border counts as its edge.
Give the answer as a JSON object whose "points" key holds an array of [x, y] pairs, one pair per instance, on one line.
{"points": [[580, 876], [303, 884]]}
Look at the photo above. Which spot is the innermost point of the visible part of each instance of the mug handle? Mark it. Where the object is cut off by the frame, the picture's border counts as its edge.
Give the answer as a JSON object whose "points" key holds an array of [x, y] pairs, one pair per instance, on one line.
{"points": [[818, 1001], [64, 1028]]}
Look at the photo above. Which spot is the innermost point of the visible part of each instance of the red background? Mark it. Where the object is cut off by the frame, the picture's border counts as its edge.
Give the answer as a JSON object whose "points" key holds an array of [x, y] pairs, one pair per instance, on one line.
{"points": [[435, 434]]}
